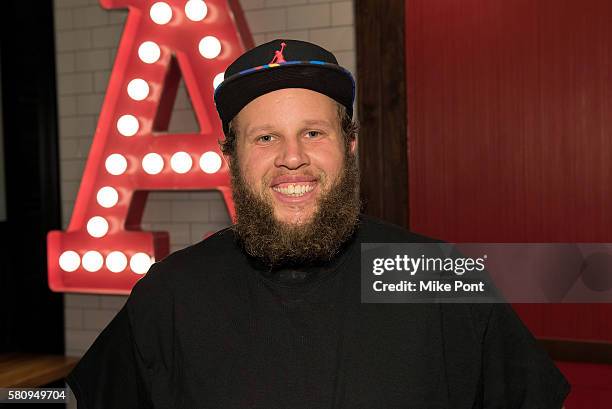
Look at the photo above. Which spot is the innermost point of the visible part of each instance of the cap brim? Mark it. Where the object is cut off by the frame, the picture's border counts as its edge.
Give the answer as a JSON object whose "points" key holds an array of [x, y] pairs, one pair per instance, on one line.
{"points": [[235, 92]]}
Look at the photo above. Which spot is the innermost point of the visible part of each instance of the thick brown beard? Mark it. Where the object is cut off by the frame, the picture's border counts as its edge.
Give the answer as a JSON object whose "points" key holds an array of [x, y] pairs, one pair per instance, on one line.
{"points": [[277, 243]]}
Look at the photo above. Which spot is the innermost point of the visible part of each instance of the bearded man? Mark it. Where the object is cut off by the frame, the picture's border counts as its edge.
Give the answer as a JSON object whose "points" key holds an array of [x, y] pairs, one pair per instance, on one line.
{"points": [[267, 313]]}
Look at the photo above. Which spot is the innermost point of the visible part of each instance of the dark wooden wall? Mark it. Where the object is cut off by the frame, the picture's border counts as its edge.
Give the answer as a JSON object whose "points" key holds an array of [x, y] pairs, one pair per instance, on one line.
{"points": [[381, 99]]}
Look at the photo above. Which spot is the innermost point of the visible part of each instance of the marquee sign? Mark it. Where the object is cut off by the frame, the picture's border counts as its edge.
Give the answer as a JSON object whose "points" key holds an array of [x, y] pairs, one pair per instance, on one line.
{"points": [[104, 249]]}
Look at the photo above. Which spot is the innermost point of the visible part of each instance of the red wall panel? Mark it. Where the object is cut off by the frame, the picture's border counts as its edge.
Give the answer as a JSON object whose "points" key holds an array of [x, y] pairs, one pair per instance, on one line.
{"points": [[510, 131], [590, 385]]}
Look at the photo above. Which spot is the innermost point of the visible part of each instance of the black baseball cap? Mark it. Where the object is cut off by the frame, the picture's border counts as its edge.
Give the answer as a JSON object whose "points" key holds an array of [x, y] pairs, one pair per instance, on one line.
{"points": [[282, 64]]}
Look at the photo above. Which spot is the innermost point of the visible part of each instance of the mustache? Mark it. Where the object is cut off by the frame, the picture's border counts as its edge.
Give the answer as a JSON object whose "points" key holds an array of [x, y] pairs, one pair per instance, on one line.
{"points": [[295, 176]]}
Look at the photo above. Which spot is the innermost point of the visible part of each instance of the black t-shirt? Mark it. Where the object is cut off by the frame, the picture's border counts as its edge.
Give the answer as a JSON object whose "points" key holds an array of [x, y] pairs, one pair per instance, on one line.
{"points": [[208, 327]]}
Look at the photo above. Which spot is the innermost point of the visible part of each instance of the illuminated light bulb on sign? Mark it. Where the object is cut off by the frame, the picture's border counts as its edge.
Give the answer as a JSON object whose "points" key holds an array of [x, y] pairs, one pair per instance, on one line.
{"points": [[160, 13], [218, 80], [196, 10], [69, 261], [210, 162], [152, 163], [140, 263], [97, 226], [116, 164], [92, 261], [209, 47], [127, 125], [107, 197], [181, 162], [149, 52], [116, 261], [138, 89]]}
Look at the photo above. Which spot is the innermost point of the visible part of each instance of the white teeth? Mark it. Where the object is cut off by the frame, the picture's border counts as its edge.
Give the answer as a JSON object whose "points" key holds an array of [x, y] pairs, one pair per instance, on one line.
{"points": [[294, 190]]}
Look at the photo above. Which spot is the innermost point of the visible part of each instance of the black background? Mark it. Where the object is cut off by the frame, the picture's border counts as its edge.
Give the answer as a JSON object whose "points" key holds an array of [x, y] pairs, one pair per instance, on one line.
{"points": [[31, 315]]}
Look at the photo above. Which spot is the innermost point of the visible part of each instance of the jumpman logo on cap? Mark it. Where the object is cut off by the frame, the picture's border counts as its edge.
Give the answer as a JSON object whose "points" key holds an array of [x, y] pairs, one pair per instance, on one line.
{"points": [[278, 55]]}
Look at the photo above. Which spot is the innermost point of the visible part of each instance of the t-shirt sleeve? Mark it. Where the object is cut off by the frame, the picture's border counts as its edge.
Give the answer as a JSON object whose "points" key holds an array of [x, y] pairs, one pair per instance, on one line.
{"points": [[517, 373], [118, 370], [110, 374]]}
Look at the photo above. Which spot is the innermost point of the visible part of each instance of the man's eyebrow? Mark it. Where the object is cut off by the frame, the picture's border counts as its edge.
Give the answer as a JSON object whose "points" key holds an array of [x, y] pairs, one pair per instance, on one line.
{"points": [[254, 129], [316, 122], [305, 124]]}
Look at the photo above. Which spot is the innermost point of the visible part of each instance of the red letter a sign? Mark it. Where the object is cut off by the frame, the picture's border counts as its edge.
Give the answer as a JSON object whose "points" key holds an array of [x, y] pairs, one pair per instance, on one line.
{"points": [[104, 250]]}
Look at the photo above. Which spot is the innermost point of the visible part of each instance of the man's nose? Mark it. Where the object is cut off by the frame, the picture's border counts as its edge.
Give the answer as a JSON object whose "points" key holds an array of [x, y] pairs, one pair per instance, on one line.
{"points": [[292, 154]]}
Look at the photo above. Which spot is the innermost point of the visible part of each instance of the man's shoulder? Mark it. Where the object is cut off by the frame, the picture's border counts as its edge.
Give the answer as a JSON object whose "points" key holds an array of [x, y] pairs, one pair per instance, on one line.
{"points": [[376, 230], [213, 255], [216, 246]]}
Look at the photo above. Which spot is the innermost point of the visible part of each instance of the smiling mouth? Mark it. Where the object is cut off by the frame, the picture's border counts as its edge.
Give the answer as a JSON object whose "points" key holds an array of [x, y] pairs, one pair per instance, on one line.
{"points": [[294, 189]]}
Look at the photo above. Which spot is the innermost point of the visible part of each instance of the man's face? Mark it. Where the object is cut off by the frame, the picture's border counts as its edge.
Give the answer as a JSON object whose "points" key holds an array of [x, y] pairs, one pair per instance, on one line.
{"points": [[290, 150]]}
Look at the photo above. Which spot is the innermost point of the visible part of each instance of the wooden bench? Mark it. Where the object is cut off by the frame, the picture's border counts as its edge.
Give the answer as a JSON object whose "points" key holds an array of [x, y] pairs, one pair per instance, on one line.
{"points": [[18, 370]]}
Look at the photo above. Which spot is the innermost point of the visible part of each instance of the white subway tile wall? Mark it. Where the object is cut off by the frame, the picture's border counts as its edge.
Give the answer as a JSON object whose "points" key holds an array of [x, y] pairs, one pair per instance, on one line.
{"points": [[86, 40]]}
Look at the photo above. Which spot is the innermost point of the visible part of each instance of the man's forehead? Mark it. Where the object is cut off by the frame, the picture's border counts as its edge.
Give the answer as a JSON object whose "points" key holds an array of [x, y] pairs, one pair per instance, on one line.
{"points": [[266, 112]]}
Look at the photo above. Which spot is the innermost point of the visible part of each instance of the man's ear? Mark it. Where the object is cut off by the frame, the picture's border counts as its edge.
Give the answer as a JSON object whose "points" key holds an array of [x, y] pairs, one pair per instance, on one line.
{"points": [[353, 145], [227, 159]]}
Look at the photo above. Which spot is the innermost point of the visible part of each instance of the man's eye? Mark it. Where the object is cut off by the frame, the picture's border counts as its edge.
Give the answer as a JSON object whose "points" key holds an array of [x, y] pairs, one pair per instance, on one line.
{"points": [[313, 134], [265, 138]]}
